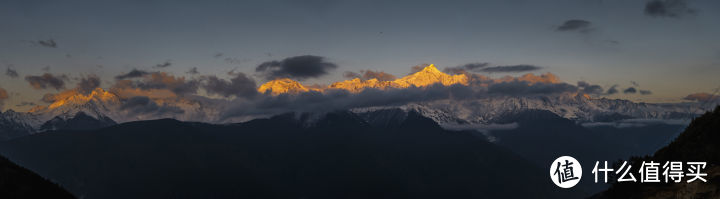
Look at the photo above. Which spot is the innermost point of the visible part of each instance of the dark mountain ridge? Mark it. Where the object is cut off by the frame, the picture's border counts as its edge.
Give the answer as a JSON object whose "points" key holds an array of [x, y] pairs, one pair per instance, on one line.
{"points": [[81, 121], [339, 155], [18, 182], [698, 143]]}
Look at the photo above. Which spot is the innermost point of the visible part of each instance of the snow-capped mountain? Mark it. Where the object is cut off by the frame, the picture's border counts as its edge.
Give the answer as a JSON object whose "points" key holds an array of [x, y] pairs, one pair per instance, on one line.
{"points": [[15, 124], [427, 76], [97, 104], [493, 109], [80, 121], [489, 108], [105, 107]]}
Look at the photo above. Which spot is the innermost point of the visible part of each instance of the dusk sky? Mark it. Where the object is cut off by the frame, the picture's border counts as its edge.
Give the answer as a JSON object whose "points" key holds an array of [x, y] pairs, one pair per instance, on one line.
{"points": [[671, 48]]}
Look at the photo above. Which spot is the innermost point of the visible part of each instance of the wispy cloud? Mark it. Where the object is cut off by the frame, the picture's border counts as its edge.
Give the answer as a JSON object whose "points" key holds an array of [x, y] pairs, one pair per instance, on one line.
{"points": [[668, 8], [10, 72], [46, 80], [511, 68], [576, 25]]}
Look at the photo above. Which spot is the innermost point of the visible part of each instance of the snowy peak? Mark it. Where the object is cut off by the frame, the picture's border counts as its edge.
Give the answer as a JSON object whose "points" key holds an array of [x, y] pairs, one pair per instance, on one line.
{"points": [[282, 85], [16, 124], [357, 85], [98, 104], [23, 119], [80, 121], [74, 98], [426, 77], [429, 76]]}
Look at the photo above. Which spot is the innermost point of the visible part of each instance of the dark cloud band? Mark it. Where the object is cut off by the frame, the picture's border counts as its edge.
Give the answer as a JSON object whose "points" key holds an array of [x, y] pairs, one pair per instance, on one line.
{"points": [[299, 67]]}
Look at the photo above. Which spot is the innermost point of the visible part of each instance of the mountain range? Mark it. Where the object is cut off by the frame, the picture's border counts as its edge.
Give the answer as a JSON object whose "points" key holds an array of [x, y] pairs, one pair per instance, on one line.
{"points": [[477, 113], [334, 155], [312, 155]]}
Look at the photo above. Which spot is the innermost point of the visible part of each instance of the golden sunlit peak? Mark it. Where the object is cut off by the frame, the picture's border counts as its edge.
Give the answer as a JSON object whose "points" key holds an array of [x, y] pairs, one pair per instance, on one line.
{"points": [[282, 85], [425, 77], [75, 97], [429, 76]]}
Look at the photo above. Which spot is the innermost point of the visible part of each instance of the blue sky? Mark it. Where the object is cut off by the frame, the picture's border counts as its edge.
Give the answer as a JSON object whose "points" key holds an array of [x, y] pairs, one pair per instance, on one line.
{"points": [[670, 55]]}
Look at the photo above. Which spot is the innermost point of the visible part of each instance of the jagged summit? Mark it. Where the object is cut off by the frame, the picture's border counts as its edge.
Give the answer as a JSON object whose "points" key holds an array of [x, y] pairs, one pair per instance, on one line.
{"points": [[73, 97], [282, 85], [81, 121], [98, 103], [430, 75], [426, 77], [357, 85]]}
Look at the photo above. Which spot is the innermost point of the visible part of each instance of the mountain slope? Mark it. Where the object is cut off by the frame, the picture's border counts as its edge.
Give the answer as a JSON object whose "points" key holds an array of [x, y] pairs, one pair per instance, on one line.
{"points": [[15, 124], [336, 156], [699, 142], [80, 121], [541, 136], [98, 104], [18, 182]]}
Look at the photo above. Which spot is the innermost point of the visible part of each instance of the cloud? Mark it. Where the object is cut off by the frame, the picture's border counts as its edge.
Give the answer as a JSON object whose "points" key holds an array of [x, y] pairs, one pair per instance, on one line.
{"points": [[10, 72], [351, 75], [85, 86], [630, 90], [140, 105], [633, 90], [46, 80], [339, 99], [134, 73], [126, 89], [590, 88], [612, 90], [531, 78], [163, 65], [522, 88], [232, 60], [49, 98], [88, 84], [192, 71], [614, 42], [299, 67], [511, 68], [668, 8], [475, 66], [162, 80], [3, 96], [239, 86], [702, 97], [379, 75], [26, 103], [369, 74], [50, 43], [417, 68], [155, 84], [463, 69], [575, 25]]}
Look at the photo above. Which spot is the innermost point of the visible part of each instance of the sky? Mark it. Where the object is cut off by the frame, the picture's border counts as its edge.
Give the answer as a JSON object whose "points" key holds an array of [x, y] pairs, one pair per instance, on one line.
{"points": [[668, 47]]}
